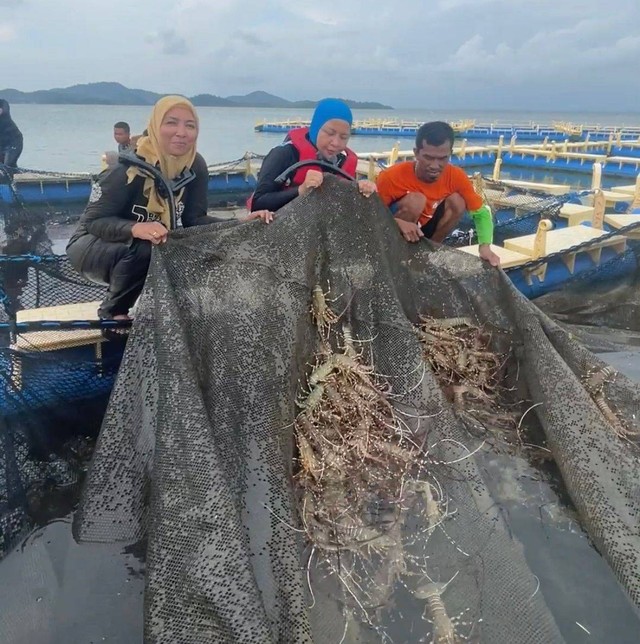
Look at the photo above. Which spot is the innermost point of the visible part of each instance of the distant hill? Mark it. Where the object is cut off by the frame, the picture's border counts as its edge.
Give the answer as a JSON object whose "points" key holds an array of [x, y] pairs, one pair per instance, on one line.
{"points": [[117, 94], [89, 94], [207, 100], [260, 99]]}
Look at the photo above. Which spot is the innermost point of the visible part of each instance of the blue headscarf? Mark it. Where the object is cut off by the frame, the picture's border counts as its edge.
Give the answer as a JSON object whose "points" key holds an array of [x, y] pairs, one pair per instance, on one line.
{"points": [[326, 110]]}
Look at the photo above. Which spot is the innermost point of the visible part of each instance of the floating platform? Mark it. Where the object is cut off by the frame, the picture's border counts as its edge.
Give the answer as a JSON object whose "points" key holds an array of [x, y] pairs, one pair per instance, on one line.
{"points": [[508, 258], [41, 368], [59, 338], [576, 214], [631, 149], [562, 239], [571, 162], [617, 221], [549, 259], [227, 181], [470, 130]]}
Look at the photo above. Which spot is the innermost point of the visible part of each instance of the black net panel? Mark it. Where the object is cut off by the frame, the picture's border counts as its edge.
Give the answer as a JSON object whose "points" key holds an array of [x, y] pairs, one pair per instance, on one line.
{"points": [[44, 281], [197, 451], [54, 382], [34, 271], [612, 303], [516, 210]]}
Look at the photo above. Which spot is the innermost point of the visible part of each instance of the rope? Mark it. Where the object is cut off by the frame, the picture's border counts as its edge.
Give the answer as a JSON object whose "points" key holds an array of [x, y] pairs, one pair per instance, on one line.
{"points": [[249, 156], [534, 263], [59, 325], [9, 170], [31, 259]]}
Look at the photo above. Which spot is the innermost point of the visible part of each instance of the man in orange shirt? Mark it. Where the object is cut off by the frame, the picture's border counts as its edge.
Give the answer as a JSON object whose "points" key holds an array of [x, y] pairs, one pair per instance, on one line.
{"points": [[428, 196]]}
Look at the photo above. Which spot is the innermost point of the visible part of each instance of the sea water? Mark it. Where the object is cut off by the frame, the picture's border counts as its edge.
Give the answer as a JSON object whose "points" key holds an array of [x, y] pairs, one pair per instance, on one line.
{"points": [[72, 138]]}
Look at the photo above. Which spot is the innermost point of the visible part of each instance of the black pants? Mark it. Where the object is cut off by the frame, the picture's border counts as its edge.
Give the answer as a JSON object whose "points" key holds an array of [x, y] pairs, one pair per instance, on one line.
{"points": [[430, 227], [10, 154], [122, 267]]}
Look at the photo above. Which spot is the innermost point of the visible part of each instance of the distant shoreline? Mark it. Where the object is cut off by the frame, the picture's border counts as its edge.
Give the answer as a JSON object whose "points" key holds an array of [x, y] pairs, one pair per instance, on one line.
{"points": [[363, 106], [115, 94]]}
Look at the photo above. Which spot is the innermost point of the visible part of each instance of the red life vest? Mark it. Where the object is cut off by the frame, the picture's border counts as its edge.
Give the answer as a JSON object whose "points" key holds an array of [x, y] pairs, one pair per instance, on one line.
{"points": [[308, 152]]}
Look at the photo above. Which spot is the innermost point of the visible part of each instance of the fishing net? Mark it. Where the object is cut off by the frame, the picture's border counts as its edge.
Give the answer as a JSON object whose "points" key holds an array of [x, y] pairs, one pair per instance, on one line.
{"points": [[298, 426], [34, 281], [610, 304], [53, 378], [34, 270], [516, 210]]}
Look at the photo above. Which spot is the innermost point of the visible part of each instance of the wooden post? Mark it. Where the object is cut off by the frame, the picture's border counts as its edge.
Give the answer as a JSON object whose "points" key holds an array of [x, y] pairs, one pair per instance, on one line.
{"points": [[463, 149], [371, 175], [393, 157], [636, 196], [596, 177], [496, 170], [500, 144], [545, 142], [619, 138], [599, 203], [512, 144], [610, 143], [565, 146], [554, 155], [247, 165], [540, 241]]}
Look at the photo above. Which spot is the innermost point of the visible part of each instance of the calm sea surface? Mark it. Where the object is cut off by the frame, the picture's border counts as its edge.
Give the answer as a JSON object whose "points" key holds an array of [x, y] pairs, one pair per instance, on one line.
{"points": [[72, 138]]}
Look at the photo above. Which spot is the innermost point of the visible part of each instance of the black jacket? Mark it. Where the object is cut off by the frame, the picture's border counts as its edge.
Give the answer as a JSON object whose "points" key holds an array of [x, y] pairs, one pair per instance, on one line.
{"points": [[268, 195], [115, 206], [10, 135]]}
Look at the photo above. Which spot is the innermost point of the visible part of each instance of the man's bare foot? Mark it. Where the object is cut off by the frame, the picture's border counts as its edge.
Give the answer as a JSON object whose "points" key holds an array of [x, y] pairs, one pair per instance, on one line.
{"points": [[123, 317]]}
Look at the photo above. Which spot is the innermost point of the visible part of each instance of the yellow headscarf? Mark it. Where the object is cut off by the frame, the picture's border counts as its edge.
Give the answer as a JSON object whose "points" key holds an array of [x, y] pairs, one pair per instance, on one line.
{"points": [[148, 147]]}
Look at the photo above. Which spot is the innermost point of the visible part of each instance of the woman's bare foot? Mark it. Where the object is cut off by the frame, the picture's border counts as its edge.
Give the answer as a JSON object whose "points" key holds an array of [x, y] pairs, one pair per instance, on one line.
{"points": [[123, 317]]}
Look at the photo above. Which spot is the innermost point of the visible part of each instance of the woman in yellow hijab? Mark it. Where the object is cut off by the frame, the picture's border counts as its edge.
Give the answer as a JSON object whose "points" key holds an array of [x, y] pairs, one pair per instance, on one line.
{"points": [[130, 208]]}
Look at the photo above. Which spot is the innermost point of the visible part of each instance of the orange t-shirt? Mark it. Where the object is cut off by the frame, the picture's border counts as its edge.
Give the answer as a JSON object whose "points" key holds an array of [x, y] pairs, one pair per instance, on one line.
{"points": [[397, 180]]}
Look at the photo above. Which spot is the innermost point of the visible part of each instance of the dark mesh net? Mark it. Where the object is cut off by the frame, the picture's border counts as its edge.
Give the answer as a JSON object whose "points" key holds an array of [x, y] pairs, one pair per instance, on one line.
{"points": [[34, 272], [611, 304], [54, 381], [197, 452], [516, 210]]}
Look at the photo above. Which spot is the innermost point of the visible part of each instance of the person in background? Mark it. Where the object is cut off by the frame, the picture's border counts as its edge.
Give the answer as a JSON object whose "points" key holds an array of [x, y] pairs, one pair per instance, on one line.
{"points": [[325, 139], [428, 196], [10, 137], [129, 211], [122, 135]]}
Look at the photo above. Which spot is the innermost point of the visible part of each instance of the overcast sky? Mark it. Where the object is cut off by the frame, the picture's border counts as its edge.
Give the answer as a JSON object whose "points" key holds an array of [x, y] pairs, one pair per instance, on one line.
{"points": [[483, 54]]}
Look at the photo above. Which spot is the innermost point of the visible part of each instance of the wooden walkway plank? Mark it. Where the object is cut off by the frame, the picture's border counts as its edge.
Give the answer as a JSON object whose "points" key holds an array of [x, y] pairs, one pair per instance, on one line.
{"points": [[618, 221], [576, 213], [55, 339], [508, 258], [548, 188], [563, 239]]}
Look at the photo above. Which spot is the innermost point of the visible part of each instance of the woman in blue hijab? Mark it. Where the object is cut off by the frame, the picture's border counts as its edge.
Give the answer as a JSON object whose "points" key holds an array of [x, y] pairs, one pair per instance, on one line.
{"points": [[325, 139]]}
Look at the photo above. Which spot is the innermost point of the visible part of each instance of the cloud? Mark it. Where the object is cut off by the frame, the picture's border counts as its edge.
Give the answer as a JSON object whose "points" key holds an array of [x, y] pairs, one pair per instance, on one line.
{"points": [[446, 53], [448, 5], [170, 42], [568, 51]]}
